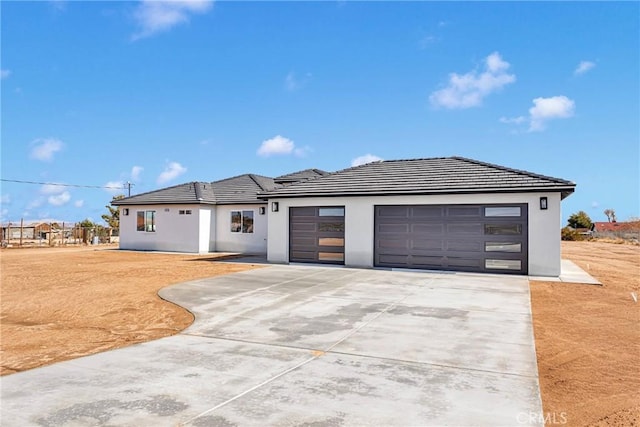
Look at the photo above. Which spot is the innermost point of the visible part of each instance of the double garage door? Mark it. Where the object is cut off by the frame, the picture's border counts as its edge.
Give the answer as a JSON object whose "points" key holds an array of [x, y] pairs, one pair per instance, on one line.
{"points": [[476, 238]]}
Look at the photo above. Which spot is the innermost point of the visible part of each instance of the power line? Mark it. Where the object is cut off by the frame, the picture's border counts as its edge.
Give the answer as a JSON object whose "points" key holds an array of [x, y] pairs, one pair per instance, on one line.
{"points": [[69, 185]]}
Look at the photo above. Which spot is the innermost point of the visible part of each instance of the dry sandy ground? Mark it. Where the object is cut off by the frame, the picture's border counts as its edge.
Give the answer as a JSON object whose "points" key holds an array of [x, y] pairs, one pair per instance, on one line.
{"points": [[61, 303], [57, 304], [588, 339]]}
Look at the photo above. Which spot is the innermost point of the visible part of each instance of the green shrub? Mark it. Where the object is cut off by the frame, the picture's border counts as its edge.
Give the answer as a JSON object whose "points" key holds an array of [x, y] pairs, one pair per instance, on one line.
{"points": [[568, 233]]}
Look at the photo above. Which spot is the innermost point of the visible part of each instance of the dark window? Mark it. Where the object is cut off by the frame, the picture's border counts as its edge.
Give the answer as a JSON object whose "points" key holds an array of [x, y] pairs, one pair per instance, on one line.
{"points": [[247, 221], [236, 221], [331, 226], [188, 212], [503, 229], [181, 212]]}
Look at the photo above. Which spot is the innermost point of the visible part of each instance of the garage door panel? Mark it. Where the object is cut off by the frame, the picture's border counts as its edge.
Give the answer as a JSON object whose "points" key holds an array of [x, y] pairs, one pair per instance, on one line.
{"points": [[464, 211], [303, 227], [482, 238], [309, 212], [463, 246], [387, 244], [393, 228], [465, 228], [303, 241], [303, 255], [430, 212], [394, 211], [427, 244], [428, 228]]}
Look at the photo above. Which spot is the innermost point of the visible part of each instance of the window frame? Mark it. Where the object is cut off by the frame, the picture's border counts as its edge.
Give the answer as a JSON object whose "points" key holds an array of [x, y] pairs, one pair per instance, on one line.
{"points": [[242, 221], [146, 221]]}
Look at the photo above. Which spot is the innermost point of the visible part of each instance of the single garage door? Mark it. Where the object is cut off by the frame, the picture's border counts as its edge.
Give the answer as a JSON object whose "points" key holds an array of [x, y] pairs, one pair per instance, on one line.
{"points": [[316, 234], [476, 238]]}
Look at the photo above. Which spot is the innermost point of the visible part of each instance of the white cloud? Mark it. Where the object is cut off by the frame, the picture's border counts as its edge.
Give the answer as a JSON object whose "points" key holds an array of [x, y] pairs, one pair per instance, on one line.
{"points": [[293, 82], [4, 73], [156, 16], [367, 158], [555, 107], [52, 189], [59, 199], [115, 187], [135, 172], [276, 145], [5, 199], [595, 204], [44, 148], [583, 67], [544, 109], [468, 90], [171, 171], [78, 203]]}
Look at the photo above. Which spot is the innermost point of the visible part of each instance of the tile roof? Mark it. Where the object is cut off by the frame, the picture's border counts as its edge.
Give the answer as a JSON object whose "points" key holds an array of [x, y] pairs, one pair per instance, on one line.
{"points": [[303, 175], [423, 176], [236, 190]]}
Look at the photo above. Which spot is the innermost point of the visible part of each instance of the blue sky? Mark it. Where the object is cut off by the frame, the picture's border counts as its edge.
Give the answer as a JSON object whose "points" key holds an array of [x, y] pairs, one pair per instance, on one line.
{"points": [[156, 93]]}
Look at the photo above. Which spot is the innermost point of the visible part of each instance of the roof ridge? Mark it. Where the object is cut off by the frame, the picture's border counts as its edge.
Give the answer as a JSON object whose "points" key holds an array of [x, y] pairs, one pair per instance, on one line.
{"points": [[198, 190], [241, 175], [253, 178], [518, 171], [160, 189]]}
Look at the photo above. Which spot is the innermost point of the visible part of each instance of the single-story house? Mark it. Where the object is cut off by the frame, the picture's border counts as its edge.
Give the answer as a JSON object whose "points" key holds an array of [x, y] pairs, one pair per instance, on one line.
{"points": [[449, 213]]}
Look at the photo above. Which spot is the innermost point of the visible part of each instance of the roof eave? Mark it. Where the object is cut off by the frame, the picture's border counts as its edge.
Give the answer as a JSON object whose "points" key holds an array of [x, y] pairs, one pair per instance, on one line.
{"points": [[565, 191]]}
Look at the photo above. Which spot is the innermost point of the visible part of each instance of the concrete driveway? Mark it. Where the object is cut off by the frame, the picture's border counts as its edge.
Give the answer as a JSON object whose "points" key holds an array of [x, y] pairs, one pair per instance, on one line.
{"points": [[309, 346]]}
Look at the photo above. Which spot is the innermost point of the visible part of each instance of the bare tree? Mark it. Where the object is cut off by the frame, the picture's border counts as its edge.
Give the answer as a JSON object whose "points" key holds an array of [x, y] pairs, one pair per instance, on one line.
{"points": [[611, 215]]}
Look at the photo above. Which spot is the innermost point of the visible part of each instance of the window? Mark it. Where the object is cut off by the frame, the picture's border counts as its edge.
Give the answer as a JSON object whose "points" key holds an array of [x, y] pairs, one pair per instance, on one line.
{"points": [[330, 256], [242, 221], [181, 212], [146, 221], [502, 211], [331, 212], [331, 226], [188, 212], [502, 247], [503, 229], [503, 264], [247, 221], [330, 241]]}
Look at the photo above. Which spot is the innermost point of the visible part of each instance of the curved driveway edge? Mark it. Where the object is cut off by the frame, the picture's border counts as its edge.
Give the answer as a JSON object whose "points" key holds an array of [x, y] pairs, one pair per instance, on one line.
{"points": [[309, 346]]}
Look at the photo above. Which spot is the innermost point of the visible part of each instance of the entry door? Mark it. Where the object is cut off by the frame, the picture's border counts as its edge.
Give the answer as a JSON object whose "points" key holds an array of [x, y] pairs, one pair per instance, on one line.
{"points": [[483, 238], [316, 234]]}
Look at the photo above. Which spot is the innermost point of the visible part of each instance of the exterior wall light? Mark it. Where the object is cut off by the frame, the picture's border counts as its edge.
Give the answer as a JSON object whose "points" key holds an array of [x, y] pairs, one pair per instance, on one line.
{"points": [[275, 206], [125, 211], [262, 210], [543, 203]]}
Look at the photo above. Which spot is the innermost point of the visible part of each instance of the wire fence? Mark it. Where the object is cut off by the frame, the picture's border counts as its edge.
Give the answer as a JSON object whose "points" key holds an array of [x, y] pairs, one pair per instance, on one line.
{"points": [[55, 234]]}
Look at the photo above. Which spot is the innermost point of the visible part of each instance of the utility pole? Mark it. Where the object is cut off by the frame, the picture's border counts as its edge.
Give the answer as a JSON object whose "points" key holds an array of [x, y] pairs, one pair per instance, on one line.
{"points": [[129, 188]]}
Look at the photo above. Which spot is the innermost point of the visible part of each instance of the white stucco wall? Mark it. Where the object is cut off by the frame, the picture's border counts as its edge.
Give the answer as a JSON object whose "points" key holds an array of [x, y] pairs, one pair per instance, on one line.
{"points": [[544, 225], [248, 243], [174, 232]]}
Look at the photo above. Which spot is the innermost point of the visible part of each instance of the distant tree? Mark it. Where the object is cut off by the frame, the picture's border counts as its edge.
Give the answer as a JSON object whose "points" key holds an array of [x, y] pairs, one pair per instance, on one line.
{"points": [[87, 227], [113, 217], [611, 215], [580, 220]]}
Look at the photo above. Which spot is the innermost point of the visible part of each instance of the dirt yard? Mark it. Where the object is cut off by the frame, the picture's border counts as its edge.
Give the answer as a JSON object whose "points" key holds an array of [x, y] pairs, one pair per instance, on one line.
{"points": [[588, 339], [58, 304]]}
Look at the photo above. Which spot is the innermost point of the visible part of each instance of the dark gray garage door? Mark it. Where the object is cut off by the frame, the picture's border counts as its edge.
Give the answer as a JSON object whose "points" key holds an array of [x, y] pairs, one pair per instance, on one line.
{"points": [[316, 234], [483, 238]]}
